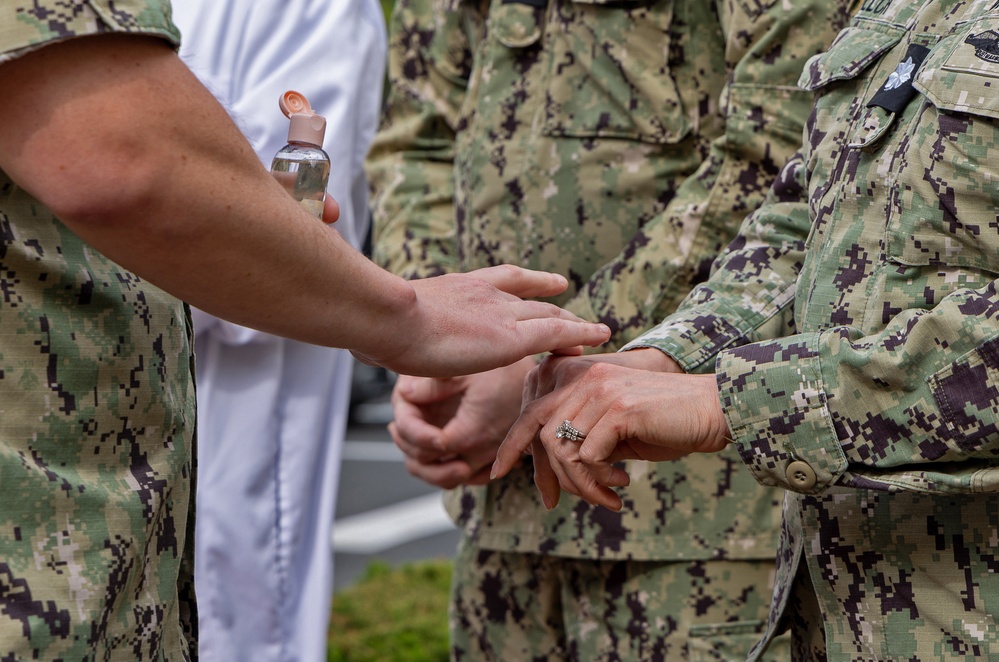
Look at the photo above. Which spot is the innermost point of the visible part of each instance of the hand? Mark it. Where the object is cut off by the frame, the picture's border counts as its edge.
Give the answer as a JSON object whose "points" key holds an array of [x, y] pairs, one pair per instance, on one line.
{"points": [[469, 323], [556, 371], [449, 429], [625, 414]]}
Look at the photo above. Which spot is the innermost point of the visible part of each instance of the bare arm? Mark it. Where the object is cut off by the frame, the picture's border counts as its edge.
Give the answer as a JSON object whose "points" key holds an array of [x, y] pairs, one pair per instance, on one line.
{"points": [[119, 139]]}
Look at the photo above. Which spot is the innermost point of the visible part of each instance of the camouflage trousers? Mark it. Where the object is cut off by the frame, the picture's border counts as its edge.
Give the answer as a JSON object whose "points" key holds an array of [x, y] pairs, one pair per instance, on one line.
{"points": [[895, 576], [513, 606]]}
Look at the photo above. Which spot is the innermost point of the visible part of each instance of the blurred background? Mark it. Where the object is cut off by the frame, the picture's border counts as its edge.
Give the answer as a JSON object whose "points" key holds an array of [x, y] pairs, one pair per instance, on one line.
{"points": [[392, 540], [392, 544], [383, 513]]}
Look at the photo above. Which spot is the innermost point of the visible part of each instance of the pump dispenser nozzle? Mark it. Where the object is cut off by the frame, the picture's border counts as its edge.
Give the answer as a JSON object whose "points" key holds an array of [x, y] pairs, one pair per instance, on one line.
{"points": [[302, 166]]}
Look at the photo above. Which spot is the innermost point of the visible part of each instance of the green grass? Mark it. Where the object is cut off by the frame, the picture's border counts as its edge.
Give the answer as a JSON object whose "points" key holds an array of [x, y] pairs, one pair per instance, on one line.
{"points": [[393, 615]]}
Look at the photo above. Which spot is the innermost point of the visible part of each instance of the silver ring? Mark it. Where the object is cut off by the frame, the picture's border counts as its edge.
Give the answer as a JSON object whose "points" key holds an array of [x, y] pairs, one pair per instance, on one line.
{"points": [[566, 431]]}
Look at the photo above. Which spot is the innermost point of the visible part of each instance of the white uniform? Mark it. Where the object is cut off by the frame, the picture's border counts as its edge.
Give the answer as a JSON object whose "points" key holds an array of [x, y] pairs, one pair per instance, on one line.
{"points": [[272, 411]]}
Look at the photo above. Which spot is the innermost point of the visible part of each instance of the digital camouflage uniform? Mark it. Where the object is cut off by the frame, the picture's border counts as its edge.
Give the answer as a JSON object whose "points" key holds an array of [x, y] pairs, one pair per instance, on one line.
{"points": [[879, 250], [96, 417], [570, 136]]}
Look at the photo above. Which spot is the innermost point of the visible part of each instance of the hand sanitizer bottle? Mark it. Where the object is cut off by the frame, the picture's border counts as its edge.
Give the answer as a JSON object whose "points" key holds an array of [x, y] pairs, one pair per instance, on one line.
{"points": [[302, 166]]}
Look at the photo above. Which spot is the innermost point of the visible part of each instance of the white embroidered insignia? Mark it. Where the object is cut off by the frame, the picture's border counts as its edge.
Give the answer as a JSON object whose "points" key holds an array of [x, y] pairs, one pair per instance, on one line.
{"points": [[901, 75]]}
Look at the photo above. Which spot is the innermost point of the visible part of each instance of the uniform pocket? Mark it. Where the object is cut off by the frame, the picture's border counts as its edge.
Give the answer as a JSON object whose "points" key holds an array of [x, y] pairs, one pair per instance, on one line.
{"points": [[967, 393], [949, 206], [732, 641], [854, 49], [449, 51], [609, 73]]}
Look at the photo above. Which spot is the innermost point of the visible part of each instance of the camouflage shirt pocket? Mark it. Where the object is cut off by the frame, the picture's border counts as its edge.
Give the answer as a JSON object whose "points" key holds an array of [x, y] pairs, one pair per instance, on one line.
{"points": [[968, 397], [609, 72], [853, 51], [450, 51], [949, 194]]}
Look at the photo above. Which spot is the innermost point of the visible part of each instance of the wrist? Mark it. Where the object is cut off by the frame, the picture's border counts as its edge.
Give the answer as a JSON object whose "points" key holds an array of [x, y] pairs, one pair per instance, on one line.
{"points": [[393, 305], [653, 359]]}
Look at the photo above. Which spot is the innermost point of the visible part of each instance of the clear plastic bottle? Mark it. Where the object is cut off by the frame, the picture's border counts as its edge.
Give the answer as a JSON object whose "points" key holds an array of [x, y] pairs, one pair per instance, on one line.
{"points": [[302, 166]]}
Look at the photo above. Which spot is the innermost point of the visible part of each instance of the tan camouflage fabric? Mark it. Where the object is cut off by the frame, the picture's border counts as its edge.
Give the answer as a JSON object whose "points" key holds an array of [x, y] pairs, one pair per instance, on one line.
{"points": [[96, 419], [621, 144], [515, 606], [557, 137], [854, 327]]}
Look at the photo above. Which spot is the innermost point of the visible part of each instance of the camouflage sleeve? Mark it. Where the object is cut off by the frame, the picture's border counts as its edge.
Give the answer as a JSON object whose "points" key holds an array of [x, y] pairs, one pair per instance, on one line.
{"points": [[28, 25], [410, 164], [751, 293], [914, 407], [822, 400], [767, 46]]}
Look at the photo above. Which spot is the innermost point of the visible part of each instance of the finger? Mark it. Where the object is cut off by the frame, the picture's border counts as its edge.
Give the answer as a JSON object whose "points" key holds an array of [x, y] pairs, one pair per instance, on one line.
{"points": [[561, 454], [608, 475], [445, 475], [579, 479], [481, 477], [427, 390], [531, 384], [530, 309], [519, 438], [416, 423], [581, 410], [538, 334], [420, 452], [542, 379], [523, 283], [331, 210], [544, 477], [415, 429]]}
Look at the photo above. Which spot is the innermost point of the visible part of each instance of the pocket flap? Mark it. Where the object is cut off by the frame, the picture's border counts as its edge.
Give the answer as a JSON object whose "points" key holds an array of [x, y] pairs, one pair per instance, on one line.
{"points": [[854, 50], [962, 74]]}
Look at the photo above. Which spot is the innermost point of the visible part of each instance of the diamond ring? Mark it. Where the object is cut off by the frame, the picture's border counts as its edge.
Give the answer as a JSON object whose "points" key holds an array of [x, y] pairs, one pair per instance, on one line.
{"points": [[566, 431]]}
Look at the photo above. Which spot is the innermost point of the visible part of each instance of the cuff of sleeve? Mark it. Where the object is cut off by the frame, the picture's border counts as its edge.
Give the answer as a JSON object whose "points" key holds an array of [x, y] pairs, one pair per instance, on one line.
{"points": [[774, 398], [693, 339]]}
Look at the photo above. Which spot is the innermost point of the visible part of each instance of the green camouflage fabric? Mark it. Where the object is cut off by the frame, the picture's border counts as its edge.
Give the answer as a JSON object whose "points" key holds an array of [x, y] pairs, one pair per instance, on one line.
{"points": [[620, 144], [854, 327], [96, 420], [27, 25], [548, 137], [542, 607]]}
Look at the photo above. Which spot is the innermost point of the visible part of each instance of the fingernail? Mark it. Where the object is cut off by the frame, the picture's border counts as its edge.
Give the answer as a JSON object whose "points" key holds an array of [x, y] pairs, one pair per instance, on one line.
{"points": [[493, 472], [545, 500]]}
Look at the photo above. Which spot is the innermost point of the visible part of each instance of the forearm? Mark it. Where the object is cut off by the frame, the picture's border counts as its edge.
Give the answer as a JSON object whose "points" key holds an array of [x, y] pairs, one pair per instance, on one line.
{"points": [[181, 175], [750, 295]]}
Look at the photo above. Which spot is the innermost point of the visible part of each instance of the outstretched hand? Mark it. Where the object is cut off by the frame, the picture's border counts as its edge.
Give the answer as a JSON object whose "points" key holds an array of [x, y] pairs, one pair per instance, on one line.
{"points": [[625, 413], [468, 323]]}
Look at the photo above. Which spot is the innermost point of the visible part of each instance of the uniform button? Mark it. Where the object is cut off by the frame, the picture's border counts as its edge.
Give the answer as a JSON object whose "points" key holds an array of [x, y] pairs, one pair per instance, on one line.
{"points": [[800, 475]]}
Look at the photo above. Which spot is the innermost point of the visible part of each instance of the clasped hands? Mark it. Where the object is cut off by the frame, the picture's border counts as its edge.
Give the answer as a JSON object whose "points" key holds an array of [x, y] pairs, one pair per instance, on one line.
{"points": [[631, 405]]}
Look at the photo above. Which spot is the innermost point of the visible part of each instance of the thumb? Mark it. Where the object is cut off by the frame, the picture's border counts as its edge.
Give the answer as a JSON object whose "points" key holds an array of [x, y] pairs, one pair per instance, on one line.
{"points": [[428, 390]]}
